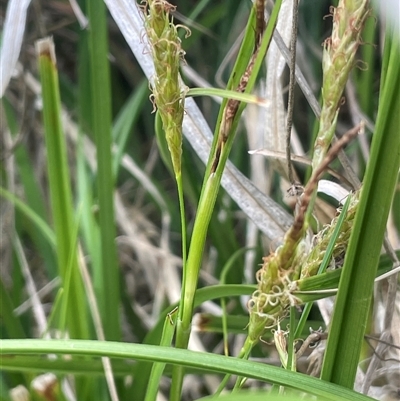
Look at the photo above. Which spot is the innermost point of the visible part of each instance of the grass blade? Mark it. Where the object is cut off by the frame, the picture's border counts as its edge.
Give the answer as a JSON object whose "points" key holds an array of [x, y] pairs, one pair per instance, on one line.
{"points": [[199, 360], [107, 280], [60, 191]]}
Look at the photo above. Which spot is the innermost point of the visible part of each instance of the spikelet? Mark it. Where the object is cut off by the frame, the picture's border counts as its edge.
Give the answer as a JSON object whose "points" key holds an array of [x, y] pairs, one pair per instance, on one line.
{"points": [[168, 93], [337, 61], [321, 240]]}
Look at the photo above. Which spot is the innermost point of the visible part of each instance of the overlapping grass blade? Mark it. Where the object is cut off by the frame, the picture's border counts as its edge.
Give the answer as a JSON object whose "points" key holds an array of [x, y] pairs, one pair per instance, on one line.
{"points": [[211, 362]]}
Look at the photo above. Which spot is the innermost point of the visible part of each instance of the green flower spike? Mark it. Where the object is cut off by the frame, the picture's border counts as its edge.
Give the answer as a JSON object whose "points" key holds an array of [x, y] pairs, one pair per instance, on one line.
{"points": [[168, 91]]}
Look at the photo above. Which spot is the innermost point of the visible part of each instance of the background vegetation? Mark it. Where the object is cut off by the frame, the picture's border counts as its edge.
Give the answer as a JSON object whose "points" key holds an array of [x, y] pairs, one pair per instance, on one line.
{"points": [[91, 243]]}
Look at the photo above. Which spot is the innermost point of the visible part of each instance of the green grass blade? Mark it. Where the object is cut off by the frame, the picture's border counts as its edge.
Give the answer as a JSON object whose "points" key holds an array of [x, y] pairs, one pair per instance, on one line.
{"points": [[60, 191], [88, 222], [158, 368], [199, 360], [228, 94], [106, 282]]}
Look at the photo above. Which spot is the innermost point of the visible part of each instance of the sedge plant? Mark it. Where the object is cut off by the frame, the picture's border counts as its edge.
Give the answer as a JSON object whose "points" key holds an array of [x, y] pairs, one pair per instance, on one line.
{"points": [[304, 268]]}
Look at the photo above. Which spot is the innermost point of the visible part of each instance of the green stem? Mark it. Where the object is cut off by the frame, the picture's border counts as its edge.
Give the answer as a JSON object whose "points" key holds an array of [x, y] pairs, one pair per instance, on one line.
{"points": [[179, 184], [211, 183]]}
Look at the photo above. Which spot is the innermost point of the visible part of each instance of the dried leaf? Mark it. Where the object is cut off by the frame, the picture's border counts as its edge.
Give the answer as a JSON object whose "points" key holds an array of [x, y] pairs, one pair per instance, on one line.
{"points": [[13, 32]]}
